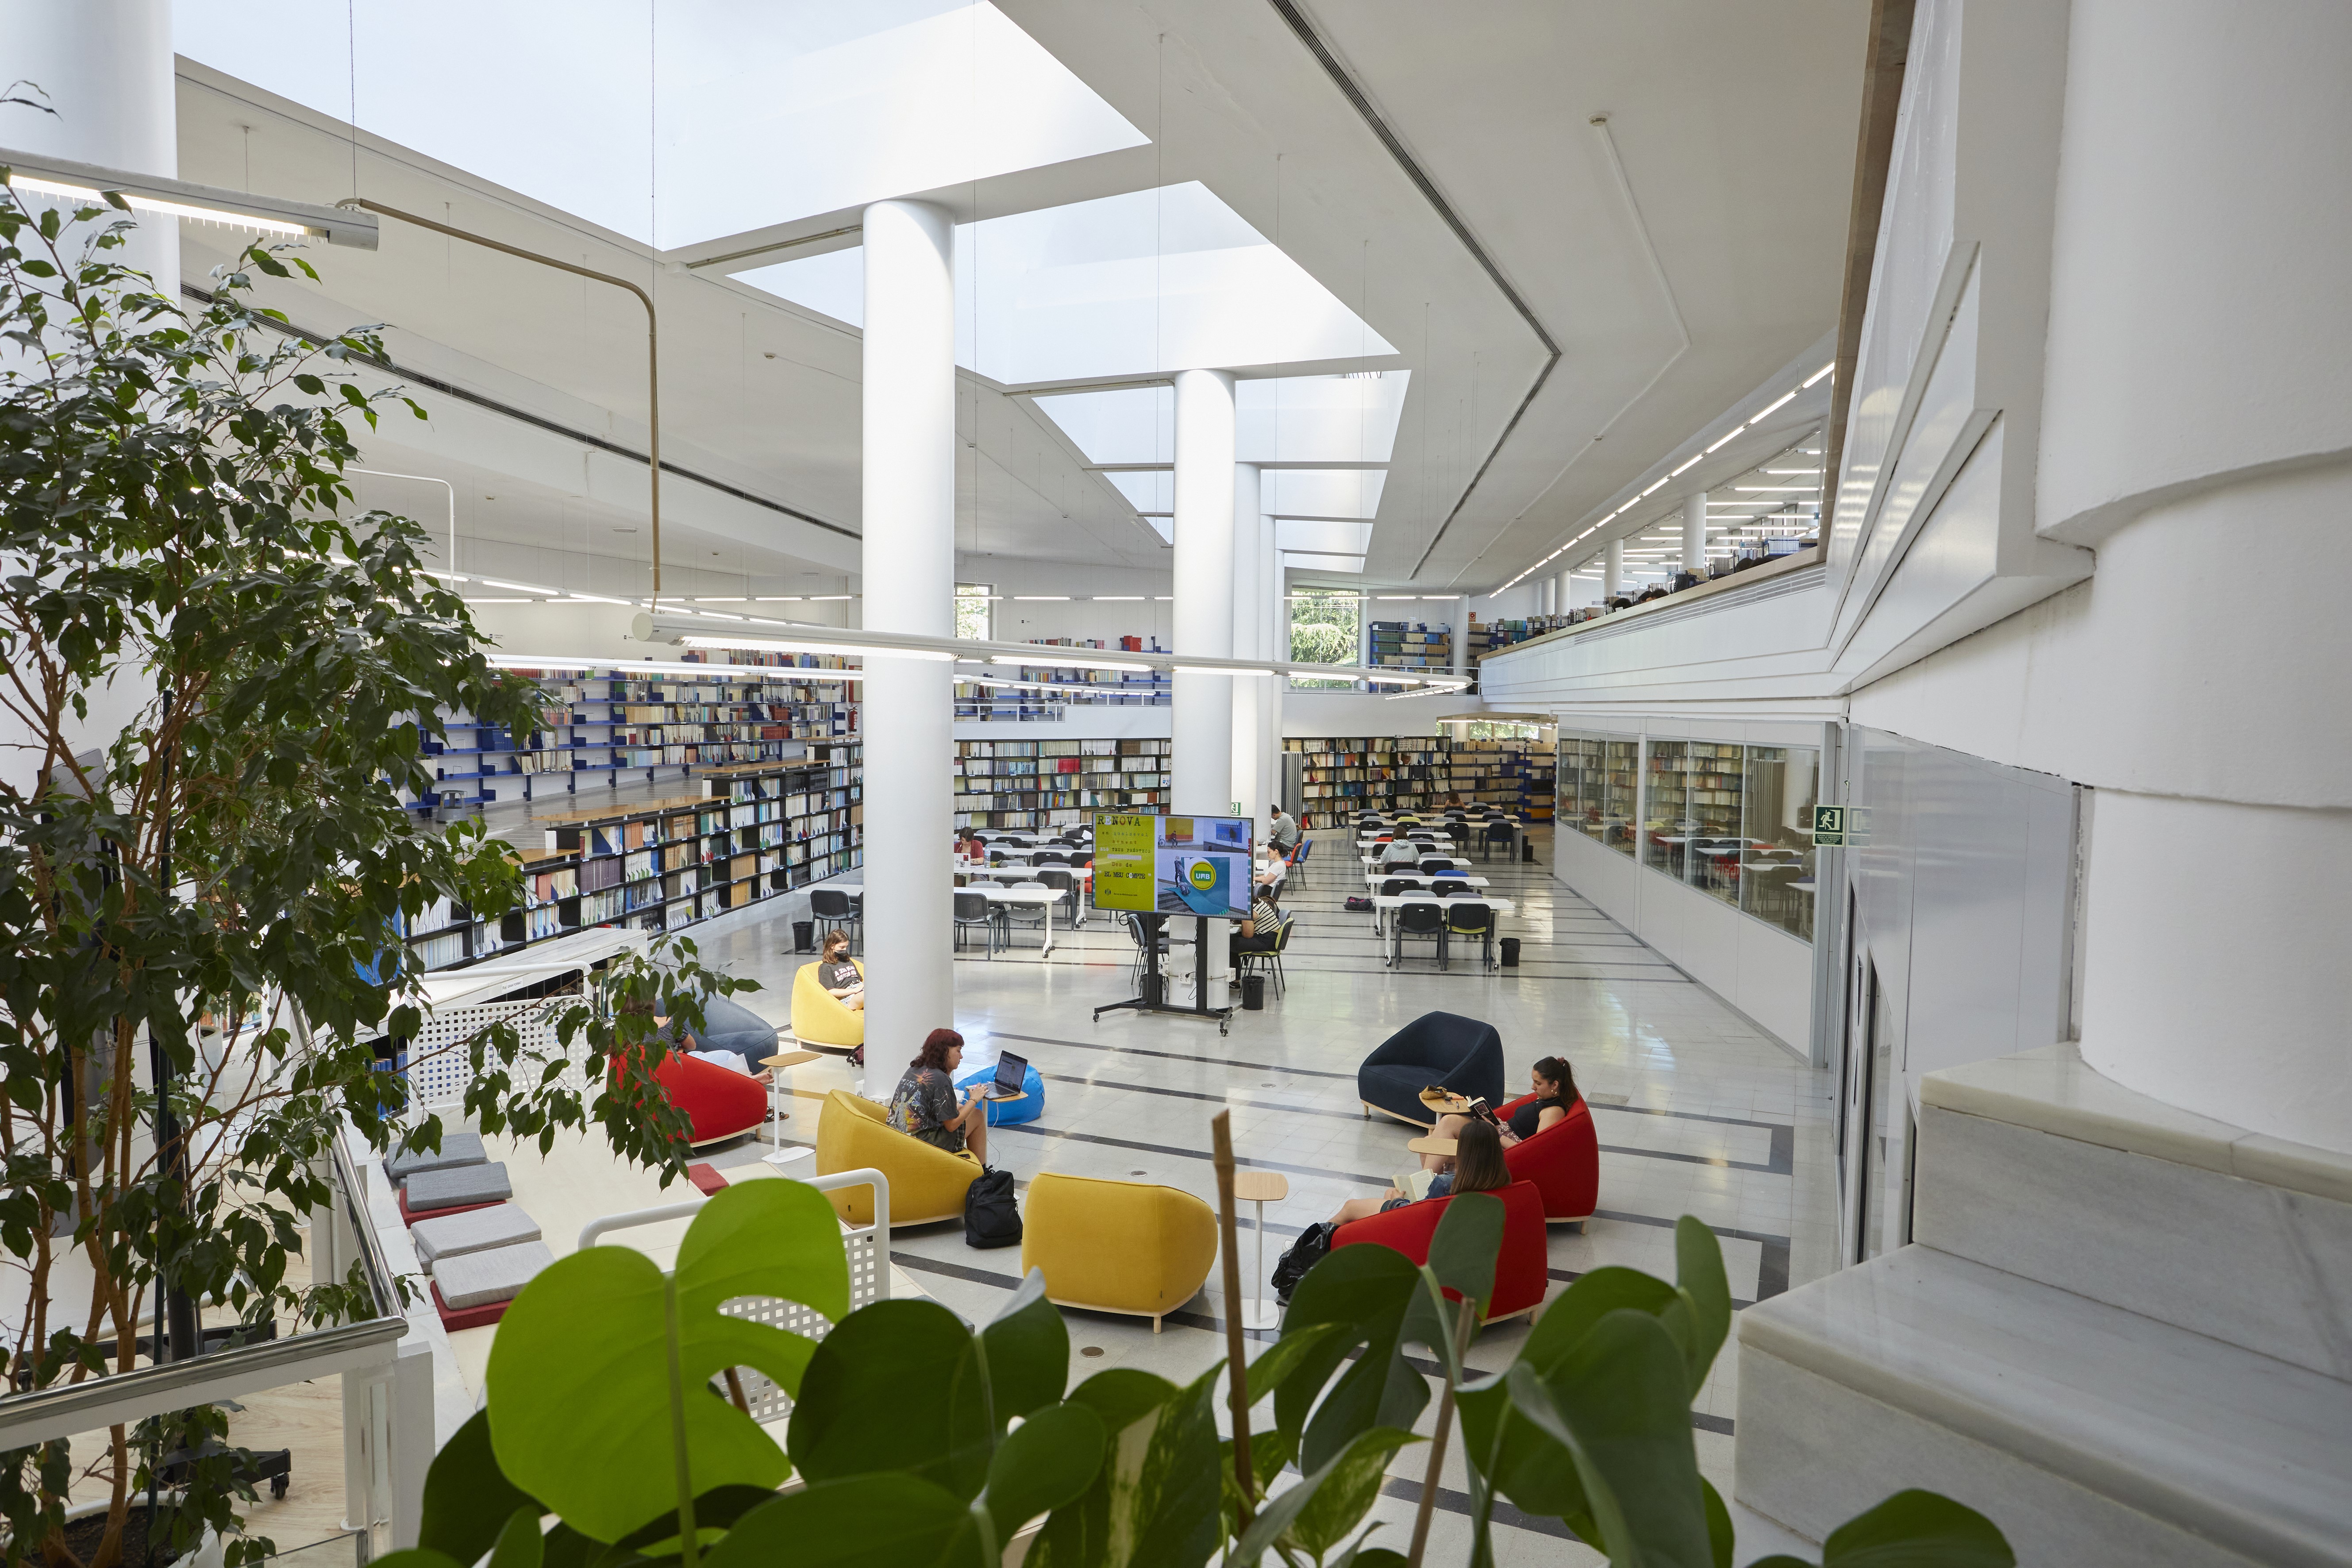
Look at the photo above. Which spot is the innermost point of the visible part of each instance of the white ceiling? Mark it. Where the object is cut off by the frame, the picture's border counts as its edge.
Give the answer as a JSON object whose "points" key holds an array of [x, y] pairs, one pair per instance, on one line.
{"points": [[1733, 127]]}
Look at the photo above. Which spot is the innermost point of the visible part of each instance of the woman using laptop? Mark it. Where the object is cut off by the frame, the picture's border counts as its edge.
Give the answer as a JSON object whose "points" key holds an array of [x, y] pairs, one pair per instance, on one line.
{"points": [[928, 1106]]}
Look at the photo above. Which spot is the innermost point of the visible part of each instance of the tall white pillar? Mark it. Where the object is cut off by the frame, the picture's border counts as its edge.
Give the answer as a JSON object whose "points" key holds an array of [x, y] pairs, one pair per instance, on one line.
{"points": [[1249, 633], [1461, 638], [1613, 569], [107, 67], [1564, 592], [1274, 617], [1201, 769], [909, 565], [1695, 533]]}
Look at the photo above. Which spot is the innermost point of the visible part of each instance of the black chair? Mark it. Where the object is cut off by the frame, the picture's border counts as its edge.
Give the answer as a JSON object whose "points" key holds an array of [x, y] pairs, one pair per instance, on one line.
{"points": [[1049, 857], [1461, 1055], [1446, 886], [1391, 887], [1062, 881], [1471, 920], [832, 907], [1157, 937], [1495, 833], [976, 909], [1417, 921], [1436, 865], [1249, 961]]}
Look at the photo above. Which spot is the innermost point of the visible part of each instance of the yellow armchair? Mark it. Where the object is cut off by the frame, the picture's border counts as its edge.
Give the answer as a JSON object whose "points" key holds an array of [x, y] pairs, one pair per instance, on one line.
{"points": [[818, 1019], [1116, 1246], [926, 1183]]}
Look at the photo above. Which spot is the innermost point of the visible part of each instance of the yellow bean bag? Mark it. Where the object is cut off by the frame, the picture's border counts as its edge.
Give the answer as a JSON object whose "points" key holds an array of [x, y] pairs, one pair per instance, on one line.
{"points": [[926, 1183], [818, 1019], [1116, 1246]]}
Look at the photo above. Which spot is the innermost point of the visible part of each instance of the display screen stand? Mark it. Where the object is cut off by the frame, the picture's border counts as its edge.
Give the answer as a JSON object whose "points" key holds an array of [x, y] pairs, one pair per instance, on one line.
{"points": [[1155, 985]]}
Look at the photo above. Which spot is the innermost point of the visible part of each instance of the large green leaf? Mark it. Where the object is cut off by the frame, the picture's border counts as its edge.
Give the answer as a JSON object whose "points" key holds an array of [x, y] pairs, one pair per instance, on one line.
{"points": [[896, 1385], [1918, 1530], [1618, 1403], [1049, 1459], [1271, 1452], [1366, 1291], [1275, 1364], [886, 1521], [1345, 1493], [602, 1357], [520, 1545], [1518, 1458], [1700, 1316], [1721, 1539], [467, 1499], [1028, 1350], [1154, 1502]]}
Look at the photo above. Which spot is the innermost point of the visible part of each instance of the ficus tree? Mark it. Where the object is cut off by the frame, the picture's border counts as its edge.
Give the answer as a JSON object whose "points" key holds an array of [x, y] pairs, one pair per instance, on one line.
{"points": [[218, 682]]}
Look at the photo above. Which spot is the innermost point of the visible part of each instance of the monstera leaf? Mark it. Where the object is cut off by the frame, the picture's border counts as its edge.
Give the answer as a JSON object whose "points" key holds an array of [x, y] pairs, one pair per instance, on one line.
{"points": [[1154, 1501], [598, 1381]]}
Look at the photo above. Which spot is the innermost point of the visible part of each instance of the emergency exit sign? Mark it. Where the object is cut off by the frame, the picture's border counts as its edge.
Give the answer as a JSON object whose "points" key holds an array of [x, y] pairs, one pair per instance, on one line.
{"points": [[1829, 825]]}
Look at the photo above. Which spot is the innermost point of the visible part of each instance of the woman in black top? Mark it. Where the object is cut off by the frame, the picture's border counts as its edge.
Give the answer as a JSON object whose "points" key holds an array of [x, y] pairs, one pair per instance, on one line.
{"points": [[928, 1106], [838, 975], [1555, 1096]]}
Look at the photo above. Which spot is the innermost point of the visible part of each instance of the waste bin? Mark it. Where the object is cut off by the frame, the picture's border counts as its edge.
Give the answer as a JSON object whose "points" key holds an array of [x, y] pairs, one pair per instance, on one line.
{"points": [[1510, 953], [1252, 993], [804, 936], [1527, 849]]}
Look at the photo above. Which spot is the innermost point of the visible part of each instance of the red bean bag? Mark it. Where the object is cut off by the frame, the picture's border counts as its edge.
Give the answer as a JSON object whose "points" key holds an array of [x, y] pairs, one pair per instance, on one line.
{"points": [[719, 1101], [1563, 1161], [1521, 1268]]}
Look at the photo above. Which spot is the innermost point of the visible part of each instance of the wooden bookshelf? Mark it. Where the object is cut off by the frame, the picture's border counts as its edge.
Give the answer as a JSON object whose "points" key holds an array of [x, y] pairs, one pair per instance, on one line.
{"points": [[1387, 772], [1055, 784]]}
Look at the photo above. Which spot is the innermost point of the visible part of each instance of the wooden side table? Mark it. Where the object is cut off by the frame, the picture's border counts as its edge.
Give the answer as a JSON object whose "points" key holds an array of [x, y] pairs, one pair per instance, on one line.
{"points": [[778, 1065], [1260, 1187]]}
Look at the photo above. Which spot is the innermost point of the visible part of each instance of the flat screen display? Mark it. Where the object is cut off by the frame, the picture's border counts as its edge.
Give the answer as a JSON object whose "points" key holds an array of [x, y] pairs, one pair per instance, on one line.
{"points": [[1200, 866]]}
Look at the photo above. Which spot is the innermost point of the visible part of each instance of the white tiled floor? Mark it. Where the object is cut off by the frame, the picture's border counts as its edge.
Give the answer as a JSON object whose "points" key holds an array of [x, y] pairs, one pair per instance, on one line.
{"points": [[1697, 1111]]}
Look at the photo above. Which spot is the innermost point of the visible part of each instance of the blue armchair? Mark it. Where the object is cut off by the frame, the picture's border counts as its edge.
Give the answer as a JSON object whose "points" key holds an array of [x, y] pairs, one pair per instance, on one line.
{"points": [[1463, 1055]]}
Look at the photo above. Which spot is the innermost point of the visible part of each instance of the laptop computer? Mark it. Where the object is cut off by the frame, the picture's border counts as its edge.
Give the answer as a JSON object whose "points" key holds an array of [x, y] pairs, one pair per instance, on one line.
{"points": [[1011, 1075]]}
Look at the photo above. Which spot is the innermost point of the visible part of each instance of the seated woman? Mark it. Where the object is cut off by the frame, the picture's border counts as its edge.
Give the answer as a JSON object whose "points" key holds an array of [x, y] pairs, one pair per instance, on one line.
{"points": [[1475, 1166], [1401, 852], [1555, 1096], [1258, 932], [967, 845], [927, 1105], [838, 975]]}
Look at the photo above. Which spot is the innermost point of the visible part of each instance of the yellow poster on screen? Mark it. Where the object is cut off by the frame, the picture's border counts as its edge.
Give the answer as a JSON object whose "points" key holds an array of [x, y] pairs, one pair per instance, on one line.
{"points": [[1123, 847]]}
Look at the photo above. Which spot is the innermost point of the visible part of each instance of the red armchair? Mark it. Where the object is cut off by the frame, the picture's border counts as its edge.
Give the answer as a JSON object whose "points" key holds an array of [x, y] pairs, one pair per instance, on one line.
{"points": [[1563, 1161], [1521, 1268], [719, 1102]]}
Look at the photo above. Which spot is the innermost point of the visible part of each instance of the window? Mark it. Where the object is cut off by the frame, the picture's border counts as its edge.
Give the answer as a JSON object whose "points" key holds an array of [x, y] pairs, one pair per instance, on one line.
{"points": [[1500, 729], [1692, 815], [972, 610], [1596, 783], [1326, 627], [1776, 872]]}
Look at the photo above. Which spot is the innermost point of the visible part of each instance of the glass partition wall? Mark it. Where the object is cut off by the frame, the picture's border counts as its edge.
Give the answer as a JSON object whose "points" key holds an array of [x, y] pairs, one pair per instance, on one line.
{"points": [[1734, 822]]}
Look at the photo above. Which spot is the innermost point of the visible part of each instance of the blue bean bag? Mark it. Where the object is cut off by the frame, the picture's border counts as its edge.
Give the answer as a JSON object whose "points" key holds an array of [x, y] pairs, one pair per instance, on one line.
{"points": [[1002, 1115], [1463, 1055], [728, 1025]]}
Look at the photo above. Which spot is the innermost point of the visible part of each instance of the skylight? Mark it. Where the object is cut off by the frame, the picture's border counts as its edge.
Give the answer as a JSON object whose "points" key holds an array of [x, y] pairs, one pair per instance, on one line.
{"points": [[767, 112], [1140, 283], [1284, 419]]}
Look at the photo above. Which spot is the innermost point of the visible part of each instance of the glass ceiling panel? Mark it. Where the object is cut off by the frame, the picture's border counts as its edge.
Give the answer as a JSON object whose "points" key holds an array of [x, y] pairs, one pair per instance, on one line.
{"points": [[1323, 563], [769, 109], [1322, 493], [1297, 534], [1294, 419], [1137, 284], [1147, 491]]}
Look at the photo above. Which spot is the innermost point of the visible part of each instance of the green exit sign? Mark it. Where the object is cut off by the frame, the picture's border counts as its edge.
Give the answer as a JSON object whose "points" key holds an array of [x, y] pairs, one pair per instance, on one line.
{"points": [[1829, 825]]}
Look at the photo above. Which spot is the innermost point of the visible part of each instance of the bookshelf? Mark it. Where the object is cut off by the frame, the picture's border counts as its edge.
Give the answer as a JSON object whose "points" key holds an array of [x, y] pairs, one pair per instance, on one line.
{"points": [[1410, 773], [1054, 783], [1116, 688], [754, 831], [601, 724], [1411, 644]]}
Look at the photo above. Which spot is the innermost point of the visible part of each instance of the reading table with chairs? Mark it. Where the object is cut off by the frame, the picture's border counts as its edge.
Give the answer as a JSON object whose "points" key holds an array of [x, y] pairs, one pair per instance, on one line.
{"points": [[1440, 919]]}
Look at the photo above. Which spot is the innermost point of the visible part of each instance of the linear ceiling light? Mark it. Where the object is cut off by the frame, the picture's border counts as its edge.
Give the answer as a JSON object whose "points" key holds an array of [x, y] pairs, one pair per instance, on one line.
{"points": [[1817, 374], [674, 666], [179, 198], [1784, 398]]}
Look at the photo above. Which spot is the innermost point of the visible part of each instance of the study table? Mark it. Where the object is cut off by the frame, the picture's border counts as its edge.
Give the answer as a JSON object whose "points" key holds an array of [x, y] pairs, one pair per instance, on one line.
{"points": [[1383, 902], [1046, 897]]}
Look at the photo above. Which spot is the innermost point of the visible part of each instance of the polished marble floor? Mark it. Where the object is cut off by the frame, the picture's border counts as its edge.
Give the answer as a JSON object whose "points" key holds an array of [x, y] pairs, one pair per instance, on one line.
{"points": [[1698, 1112]]}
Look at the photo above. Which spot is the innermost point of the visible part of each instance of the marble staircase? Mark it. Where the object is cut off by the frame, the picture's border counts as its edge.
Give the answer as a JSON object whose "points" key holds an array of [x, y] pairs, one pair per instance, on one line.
{"points": [[2123, 1332]]}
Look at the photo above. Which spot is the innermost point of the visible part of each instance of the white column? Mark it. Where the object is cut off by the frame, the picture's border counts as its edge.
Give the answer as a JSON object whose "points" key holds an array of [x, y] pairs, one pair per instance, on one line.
{"points": [[909, 566], [1564, 592], [1613, 569], [1201, 768], [1694, 532], [1461, 638], [1274, 617], [107, 67], [1249, 635]]}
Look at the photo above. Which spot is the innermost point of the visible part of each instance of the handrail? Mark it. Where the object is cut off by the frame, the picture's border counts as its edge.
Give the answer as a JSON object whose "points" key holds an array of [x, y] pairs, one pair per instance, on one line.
{"points": [[1618, 620], [122, 1397]]}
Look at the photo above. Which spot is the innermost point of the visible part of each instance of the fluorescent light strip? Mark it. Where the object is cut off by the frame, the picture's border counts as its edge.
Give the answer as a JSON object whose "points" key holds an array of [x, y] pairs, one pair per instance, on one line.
{"points": [[678, 666], [516, 587], [1817, 375], [148, 203], [1784, 398], [1041, 598]]}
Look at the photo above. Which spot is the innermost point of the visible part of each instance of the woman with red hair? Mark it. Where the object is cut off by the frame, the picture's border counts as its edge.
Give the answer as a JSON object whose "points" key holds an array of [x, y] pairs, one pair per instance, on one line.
{"points": [[928, 1105]]}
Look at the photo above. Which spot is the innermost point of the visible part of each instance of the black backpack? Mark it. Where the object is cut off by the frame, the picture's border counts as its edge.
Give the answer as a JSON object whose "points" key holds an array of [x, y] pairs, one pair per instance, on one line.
{"points": [[990, 1218], [1357, 903], [1314, 1244]]}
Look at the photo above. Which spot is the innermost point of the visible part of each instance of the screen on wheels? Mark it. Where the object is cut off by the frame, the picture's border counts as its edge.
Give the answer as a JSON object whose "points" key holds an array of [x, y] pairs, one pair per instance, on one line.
{"points": [[1200, 866]]}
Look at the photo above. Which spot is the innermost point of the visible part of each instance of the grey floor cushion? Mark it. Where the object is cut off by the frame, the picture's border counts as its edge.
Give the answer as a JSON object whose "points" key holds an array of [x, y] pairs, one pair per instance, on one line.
{"points": [[461, 1184], [476, 1230], [457, 1149], [482, 1279]]}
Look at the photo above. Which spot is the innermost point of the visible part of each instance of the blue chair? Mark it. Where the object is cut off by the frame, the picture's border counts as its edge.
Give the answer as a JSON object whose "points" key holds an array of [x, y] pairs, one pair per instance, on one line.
{"points": [[1462, 1055], [1001, 1115]]}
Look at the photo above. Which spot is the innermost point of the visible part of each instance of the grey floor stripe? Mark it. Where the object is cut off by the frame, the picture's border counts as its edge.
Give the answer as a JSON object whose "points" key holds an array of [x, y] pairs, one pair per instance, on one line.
{"points": [[1174, 1055]]}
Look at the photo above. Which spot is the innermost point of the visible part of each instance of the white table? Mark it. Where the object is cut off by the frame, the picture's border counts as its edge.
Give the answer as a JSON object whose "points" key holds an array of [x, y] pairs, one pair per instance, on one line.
{"points": [[1081, 878], [1048, 897], [1372, 862], [1383, 902], [1422, 879]]}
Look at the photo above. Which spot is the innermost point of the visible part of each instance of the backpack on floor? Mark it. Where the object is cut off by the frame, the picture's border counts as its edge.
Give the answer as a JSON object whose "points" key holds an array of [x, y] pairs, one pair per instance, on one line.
{"points": [[1314, 1244], [1357, 905], [990, 1218]]}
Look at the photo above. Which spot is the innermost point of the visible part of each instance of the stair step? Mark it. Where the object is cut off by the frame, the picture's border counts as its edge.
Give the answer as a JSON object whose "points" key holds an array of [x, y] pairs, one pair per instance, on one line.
{"points": [[2090, 1434]]}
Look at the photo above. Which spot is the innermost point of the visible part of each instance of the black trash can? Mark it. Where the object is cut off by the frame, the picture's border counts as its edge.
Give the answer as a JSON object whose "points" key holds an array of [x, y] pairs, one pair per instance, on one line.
{"points": [[1510, 953], [1528, 850], [804, 936], [1252, 993]]}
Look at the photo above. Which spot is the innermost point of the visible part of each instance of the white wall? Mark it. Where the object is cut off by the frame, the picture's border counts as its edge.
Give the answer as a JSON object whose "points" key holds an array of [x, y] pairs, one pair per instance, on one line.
{"points": [[1080, 616]]}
